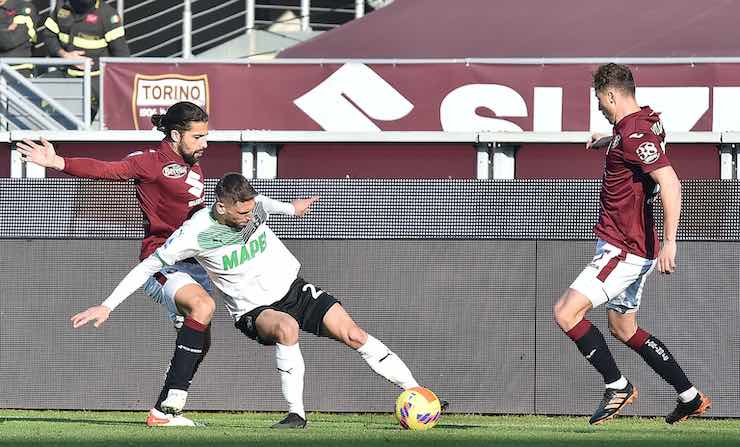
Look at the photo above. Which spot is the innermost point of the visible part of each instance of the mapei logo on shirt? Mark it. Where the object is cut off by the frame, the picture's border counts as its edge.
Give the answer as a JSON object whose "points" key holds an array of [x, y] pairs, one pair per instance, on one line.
{"points": [[154, 94], [246, 253], [648, 153], [174, 170], [91, 18]]}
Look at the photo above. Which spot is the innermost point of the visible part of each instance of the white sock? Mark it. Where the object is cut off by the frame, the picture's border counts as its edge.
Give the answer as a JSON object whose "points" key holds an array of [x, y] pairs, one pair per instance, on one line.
{"points": [[688, 395], [291, 368], [618, 385], [384, 362]]}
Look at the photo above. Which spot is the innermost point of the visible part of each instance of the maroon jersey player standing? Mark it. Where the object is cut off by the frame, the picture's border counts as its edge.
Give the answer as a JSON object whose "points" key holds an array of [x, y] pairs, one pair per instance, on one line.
{"points": [[169, 187], [628, 249]]}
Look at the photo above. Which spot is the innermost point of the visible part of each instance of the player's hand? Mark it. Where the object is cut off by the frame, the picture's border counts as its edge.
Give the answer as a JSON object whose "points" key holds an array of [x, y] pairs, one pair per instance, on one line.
{"points": [[75, 54], [41, 154], [303, 206], [98, 314], [598, 140], [667, 257], [12, 26]]}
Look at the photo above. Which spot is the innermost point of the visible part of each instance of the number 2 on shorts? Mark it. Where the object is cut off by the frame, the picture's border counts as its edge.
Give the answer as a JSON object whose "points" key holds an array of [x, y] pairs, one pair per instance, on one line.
{"points": [[314, 293]]}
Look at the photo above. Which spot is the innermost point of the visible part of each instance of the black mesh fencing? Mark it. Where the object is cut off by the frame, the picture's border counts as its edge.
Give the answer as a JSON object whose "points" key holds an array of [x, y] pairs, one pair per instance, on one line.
{"points": [[370, 209]]}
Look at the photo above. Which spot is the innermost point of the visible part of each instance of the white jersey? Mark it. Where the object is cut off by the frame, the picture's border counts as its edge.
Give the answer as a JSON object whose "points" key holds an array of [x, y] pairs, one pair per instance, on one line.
{"points": [[250, 267]]}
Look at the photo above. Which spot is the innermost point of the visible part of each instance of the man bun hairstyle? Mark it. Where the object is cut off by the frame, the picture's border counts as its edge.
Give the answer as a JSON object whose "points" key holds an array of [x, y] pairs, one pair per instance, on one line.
{"points": [[234, 187], [178, 117], [615, 76]]}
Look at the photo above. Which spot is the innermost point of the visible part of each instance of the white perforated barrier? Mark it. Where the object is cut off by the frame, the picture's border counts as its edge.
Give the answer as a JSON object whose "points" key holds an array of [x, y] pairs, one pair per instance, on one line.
{"points": [[495, 150]]}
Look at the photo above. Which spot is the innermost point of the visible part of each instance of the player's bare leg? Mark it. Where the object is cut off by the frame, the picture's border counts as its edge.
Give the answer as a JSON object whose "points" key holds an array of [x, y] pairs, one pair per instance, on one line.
{"points": [[691, 402], [282, 329], [569, 313], [338, 325], [570, 309], [191, 346]]}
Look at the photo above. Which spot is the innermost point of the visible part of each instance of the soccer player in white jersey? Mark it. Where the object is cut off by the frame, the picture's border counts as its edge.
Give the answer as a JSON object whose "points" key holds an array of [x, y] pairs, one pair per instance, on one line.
{"points": [[257, 277]]}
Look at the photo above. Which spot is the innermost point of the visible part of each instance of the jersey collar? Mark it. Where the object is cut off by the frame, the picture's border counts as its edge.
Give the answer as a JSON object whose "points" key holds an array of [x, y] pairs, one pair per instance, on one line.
{"points": [[644, 110]]}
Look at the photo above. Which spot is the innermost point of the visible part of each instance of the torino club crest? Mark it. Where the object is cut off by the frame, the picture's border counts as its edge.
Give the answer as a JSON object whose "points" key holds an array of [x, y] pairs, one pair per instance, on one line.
{"points": [[154, 94], [648, 152]]}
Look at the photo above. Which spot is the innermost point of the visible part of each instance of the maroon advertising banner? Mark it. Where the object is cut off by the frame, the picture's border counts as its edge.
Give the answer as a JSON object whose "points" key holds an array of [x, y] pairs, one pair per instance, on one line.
{"points": [[407, 96], [376, 97]]}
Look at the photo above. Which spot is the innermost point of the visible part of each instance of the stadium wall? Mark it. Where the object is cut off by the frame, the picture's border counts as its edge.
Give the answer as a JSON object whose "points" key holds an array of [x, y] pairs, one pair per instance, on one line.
{"points": [[571, 161], [4, 159], [457, 277]]}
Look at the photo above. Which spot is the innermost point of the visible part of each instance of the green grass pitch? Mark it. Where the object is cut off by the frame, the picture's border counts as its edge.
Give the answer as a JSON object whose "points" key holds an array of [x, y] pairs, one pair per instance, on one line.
{"points": [[95, 428]]}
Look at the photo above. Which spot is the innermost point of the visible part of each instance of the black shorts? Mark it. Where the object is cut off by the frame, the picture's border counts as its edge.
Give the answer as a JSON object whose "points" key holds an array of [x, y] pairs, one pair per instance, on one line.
{"points": [[305, 302]]}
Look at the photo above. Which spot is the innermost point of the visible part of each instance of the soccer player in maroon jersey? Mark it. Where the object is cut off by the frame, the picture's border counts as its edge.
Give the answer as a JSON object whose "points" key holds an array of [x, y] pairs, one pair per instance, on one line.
{"points": [[169, 187], [628, 249]]}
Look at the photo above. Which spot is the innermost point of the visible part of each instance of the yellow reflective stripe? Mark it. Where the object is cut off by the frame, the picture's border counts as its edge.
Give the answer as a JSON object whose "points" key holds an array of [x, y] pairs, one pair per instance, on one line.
{"points": [[51, 25], [64, 37], [22, 20], [26, 20], [114, 34], [89, 44], [75, 72], [22, 66]]}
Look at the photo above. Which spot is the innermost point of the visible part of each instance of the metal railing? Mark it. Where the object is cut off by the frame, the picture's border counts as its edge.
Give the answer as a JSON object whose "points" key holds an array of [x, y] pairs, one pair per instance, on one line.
{"points": [[39, 108], [193, 19], [188, 21]]}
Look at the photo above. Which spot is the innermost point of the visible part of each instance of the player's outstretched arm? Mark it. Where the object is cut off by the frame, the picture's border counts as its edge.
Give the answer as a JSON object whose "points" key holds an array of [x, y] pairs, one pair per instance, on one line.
{"points": [[136, 166], [299, 207], [598, 140], [98, 314], [670, 196], [303, 206], [41, 154], [128, 285]]}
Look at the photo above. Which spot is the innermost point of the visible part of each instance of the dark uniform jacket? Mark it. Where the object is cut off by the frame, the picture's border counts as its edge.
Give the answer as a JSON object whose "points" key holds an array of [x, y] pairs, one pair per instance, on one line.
{"points": [[98, 32], [18, 43]]}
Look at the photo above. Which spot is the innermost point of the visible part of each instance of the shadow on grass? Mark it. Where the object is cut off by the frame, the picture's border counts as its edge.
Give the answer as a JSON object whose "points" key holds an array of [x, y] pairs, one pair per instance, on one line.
{"points": [[395, 428], [457, 426], [301, 441], [69, 421]]}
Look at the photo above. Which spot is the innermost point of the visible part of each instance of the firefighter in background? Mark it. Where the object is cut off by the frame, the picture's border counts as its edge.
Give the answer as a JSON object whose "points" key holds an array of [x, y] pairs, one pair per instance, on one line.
{"points": [[80, 29], [18, 20]]}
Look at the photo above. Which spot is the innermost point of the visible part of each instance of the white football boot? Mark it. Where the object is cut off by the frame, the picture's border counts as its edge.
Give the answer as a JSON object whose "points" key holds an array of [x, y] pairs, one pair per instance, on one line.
{"points": [[175, 401], [158, 419]]}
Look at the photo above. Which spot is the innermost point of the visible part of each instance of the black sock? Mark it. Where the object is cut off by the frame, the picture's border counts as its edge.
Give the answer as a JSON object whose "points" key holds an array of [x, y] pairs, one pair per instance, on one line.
{"points": [[189, 351], [206, 348], [592, 345], [655, 354]]}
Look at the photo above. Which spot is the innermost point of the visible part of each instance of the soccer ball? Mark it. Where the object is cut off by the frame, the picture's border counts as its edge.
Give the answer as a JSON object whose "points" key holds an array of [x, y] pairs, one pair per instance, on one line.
{"points": [[417, 409]]}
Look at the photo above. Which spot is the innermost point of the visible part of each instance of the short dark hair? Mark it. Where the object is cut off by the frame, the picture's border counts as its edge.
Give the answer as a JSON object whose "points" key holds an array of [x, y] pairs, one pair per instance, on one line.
{"points": [[178, 117], [233, 187], [616, 76]]}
